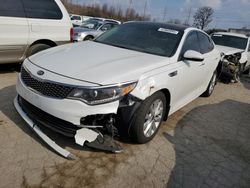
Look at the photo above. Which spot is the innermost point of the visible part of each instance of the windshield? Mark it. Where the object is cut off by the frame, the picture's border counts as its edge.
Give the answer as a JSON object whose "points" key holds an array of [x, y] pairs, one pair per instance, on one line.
{"points": [[230, 41], [148, 38], [91, 24]]}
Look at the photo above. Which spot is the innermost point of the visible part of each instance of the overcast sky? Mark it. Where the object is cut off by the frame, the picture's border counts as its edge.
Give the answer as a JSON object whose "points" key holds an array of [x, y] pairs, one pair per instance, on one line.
{"points": [[228, 13]]}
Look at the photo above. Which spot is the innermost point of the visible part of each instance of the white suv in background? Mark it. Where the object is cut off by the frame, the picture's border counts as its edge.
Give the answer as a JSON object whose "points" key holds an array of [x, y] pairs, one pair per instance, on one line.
{"points": [[29, 26]]}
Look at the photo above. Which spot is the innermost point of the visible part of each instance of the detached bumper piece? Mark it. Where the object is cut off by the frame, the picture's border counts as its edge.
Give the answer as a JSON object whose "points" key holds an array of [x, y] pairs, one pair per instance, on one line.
{"points": [[96, 140], [36, 118]]}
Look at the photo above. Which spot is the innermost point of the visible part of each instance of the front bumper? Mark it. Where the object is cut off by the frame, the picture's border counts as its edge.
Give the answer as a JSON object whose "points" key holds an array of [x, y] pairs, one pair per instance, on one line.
{"points": [[66, 109], [43, 136], [77, 38]]}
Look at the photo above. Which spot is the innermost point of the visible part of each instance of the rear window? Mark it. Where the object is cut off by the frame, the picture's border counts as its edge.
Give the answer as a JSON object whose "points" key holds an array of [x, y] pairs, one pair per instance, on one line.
{"points": [[42, 9], [11, 8]]}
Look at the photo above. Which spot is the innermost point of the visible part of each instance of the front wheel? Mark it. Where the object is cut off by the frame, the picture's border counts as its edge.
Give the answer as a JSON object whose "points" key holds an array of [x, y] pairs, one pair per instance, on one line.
{"points": [[148, 119], [37, 48], [211, 85], [237, 73]]}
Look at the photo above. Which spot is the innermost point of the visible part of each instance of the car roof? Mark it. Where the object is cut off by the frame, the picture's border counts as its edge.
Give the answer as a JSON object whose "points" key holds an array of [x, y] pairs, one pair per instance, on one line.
{"points": [[106, 19], [231, 34], [177, 27]]}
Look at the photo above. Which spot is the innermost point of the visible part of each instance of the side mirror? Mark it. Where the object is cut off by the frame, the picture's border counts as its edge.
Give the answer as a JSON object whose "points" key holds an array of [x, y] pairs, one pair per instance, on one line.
{"points": [[193, 56]]}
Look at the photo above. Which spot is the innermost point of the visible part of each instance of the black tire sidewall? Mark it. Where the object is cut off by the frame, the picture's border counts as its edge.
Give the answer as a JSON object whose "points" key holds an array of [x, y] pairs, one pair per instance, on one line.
{"points": [[139, 118], [37, 48], [88, 38]]}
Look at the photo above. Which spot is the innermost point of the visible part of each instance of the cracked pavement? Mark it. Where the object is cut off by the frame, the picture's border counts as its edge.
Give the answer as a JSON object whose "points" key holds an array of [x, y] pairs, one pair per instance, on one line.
{"points": [[204, 144]]}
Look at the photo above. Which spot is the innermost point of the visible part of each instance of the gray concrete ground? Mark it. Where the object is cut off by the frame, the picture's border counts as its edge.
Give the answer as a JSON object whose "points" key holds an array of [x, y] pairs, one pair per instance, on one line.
{"points": [[204, 144]]}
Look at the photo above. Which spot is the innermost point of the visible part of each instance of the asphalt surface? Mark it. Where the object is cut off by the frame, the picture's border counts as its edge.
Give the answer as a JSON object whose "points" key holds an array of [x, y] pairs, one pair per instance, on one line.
{"points": [[204, 144]]}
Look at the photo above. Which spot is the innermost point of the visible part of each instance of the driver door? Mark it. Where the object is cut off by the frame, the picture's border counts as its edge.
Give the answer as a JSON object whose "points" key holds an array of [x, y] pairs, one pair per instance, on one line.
{"points": [[190, 73]]}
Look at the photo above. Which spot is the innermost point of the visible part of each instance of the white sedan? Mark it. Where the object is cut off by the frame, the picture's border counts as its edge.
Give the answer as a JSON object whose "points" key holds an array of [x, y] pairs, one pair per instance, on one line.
{"points": [[129, 79]]}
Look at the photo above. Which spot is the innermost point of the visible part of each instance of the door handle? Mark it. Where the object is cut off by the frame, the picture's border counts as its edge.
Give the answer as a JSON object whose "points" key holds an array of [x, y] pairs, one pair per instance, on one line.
{"points": [[172, 74]]}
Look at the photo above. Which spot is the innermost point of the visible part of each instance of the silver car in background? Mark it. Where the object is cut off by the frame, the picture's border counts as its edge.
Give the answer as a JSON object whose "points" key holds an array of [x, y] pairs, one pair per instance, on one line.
{"points": [[92, 28]]}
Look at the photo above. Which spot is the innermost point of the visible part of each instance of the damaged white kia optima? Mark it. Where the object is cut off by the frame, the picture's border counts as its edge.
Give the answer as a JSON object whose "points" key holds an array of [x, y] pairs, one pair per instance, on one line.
{"points": [[125, 82]]}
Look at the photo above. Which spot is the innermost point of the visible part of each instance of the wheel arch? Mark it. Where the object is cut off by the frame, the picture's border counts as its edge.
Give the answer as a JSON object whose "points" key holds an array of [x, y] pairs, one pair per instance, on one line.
{"points": [[89, 35], [44, 41], [167, 94]]}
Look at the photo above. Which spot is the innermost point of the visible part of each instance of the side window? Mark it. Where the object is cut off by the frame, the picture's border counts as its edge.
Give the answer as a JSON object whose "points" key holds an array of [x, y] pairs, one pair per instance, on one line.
{"points": [[45, 9], [106, 27], [11, 8], [205, 43], [75, 18], [191, 43]]}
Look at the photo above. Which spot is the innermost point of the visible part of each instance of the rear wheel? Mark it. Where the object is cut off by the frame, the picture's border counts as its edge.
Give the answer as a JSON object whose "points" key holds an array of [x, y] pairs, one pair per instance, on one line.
{"points": [[37, 48], [88, 38], [211, 85], [148, 119]]}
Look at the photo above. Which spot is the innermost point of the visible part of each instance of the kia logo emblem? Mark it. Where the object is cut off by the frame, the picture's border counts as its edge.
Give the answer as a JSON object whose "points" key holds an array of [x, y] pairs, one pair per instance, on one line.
{"points": [[40, 72]]}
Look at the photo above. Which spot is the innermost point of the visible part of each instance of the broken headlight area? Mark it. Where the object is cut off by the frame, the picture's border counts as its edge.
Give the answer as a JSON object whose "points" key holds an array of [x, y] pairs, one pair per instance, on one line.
{"points": [[102, 95], [116, 125], [230, 67]]}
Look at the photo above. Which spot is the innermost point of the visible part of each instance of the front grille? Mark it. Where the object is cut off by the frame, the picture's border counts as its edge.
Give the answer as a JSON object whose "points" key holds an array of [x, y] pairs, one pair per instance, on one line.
{"points": [[45, 88], [43, 119]]}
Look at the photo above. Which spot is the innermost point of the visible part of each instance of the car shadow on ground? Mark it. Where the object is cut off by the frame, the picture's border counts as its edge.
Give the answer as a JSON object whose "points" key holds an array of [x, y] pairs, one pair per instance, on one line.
{"points": [[212, 148], [11, 67]]}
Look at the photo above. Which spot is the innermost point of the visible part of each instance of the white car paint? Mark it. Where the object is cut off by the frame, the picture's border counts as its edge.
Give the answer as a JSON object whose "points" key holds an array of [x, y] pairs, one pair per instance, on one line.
{"points": [[245, 54], [120, 66], [17, 34], [92, 64]]}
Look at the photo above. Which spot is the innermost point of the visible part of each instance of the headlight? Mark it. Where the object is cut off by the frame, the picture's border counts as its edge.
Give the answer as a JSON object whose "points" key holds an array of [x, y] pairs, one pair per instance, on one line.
{"points": [[101, 95]]}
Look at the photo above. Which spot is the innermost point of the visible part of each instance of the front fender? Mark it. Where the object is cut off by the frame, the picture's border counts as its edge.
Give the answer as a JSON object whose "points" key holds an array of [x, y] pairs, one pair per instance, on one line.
{"points": [[243, 58]]}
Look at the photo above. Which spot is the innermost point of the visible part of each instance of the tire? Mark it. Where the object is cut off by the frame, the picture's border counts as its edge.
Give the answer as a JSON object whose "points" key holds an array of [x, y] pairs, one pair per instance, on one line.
{"points": [[143, 121], [247, 71], [88, 38], [211, 85], [37, 48], [237, 74]]}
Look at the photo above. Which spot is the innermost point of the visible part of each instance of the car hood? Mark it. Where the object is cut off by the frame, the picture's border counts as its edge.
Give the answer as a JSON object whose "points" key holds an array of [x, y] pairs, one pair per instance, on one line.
{"points": [[97, 63], [228, 50]]}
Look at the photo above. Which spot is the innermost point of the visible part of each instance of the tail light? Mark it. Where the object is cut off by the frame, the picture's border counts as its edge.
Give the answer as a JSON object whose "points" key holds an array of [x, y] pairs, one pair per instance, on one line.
{"points": [[71, 34]]}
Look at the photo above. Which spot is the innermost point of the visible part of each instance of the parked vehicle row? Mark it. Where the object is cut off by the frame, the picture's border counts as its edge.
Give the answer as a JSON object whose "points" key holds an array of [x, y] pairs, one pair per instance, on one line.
{"points": [[143, 72], [29, 26], [91, 29], [78, 19]]}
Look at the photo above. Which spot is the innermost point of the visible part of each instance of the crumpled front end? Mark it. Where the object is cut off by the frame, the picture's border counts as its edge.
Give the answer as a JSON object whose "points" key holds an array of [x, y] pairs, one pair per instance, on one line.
{"points": [[230, 66], [42, 103]]}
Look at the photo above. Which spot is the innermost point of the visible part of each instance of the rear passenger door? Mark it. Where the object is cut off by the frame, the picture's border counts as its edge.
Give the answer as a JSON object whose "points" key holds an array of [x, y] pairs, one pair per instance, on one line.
{"points": [[46, 20], [210, 58], [14, 31]]}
